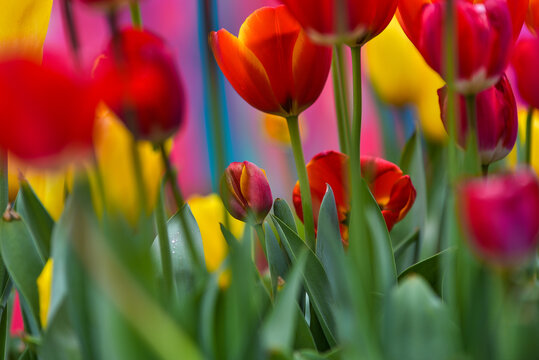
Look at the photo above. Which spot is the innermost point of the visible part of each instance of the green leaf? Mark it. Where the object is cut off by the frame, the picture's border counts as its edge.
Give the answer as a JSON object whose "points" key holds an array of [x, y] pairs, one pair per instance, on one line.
{"points": [[412, 163], [382, 260], [36, 217], [277, 259], [429, 269], [304, 339], [282, 211], [207, 317], [316, 280], [417, 324], [22, 261], [181, 258], [60, 341], [279, 327]]}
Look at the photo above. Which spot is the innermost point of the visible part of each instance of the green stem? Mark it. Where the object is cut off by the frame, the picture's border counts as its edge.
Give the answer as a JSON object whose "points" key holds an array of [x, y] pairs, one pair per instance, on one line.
{"points": [[170, 175], [341, 101], [450, 51], [484, 169], [472, 146], [403, 245], [4, 187], [259, 228], [529, 134], [164, 244], [136, 16], [305, 189], [139, 177]]}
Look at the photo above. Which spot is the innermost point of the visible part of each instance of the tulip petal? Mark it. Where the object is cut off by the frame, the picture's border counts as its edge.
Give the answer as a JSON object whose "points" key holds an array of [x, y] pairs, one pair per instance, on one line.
{"points": [[244, 71], [271, 34], [381, 175], [402, 198], [409, 14], [309, 76], [256, 190], [318, 17]]}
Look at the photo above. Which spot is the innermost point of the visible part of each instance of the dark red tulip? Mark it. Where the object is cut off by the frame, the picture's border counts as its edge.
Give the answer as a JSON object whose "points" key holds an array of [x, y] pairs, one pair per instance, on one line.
{"points": [[140, 83], [485, 36], [47, 115], [355, 23], [501, 216], [497, 120], [525, 62], [392, 190], [246, 192], [272, 64]]}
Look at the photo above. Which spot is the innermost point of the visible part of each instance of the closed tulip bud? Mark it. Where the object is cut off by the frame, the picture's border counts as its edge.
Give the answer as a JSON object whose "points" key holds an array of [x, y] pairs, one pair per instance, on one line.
{"points": [[525, 62], [140, 83], [246, 192], [47, 116], [486, 32], [272, 64], [497, 120], [350, 21], [501, 217]]}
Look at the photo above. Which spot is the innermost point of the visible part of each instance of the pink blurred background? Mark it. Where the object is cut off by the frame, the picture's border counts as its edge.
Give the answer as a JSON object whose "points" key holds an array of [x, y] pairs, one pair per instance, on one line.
{"points": [[176, 21]]}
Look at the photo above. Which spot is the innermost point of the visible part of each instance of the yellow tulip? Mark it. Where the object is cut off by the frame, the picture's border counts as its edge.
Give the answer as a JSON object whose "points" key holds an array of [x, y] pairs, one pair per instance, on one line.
{"points": [[44, 285], [401, 77], [512, 157], [209, 213], [23, 27], [113, 150]]}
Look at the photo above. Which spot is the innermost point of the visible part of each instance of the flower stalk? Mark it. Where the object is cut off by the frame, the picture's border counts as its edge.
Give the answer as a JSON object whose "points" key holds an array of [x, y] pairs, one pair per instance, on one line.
{"points": [[164, 244], [529, 135], [305, 189], [4, 189], [341, 99], [136, 16]]}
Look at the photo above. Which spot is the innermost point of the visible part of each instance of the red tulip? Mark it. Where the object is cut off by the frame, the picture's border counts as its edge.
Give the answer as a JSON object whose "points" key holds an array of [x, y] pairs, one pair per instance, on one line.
{"points": [[360, 20], [392, 190], [501, 216], [272, 64], [246, 192], [497, 120], [47, 115], [139, 81], [525, 61], [485, 35]]}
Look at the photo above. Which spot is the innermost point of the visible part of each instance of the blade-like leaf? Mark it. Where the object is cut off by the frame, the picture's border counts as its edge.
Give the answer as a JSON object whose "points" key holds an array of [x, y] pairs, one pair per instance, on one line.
{"points": [[36, 217], [282, 211], [316, 280], [279, 327], [429, 269], [417, 325], [277, 259], [22, 261]]}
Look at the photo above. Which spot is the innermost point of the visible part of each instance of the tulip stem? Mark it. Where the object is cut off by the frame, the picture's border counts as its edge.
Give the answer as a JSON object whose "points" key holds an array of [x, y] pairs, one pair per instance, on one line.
{"points": [[136, 16], [164, 243], [170, 175], [484, 169], [341, 100], [473, 140], [259, 228], [305, 189], [356, 220], [67, 13], [139, 177], [4, 187], [529, 132]]}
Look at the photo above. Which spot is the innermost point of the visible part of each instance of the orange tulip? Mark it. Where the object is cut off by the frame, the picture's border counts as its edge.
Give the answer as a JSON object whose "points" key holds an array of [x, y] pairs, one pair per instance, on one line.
{"points": [[533, 16], [272, 64], [392, 190]]}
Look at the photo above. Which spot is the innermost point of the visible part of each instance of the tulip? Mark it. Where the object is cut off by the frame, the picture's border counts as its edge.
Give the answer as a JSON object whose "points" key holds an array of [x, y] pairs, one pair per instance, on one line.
{"points": [[501, 216], [402, 77], [113, 149], [209, 214], [272, 64], [525, 60], [533, 16], [350, 21], [140, 83], [44, 287], [485, 36], [245, 192], [392, 190], [23, 27], [497, 120], [47, 115]]}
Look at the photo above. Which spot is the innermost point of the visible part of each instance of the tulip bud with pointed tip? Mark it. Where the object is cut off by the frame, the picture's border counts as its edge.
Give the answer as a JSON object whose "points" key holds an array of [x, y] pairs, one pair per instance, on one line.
{"points": [[246, 192]]}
